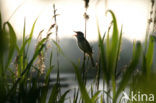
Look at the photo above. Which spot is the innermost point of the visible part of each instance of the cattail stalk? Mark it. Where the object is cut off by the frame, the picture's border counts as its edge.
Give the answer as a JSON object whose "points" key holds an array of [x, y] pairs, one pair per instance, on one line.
{"points": [[154, 16], [149, 22], [86, 17]]}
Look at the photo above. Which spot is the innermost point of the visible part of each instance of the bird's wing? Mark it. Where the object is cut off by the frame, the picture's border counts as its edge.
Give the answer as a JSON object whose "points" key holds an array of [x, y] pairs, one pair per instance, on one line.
{"points": [[84, 45]]}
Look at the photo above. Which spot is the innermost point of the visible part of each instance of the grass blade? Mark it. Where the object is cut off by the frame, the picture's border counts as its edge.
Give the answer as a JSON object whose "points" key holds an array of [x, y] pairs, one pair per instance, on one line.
{"points": [[83, 90], [127, 75], [150, 55], [13, 43], [62, 99], [95, 97], [54, 94]]}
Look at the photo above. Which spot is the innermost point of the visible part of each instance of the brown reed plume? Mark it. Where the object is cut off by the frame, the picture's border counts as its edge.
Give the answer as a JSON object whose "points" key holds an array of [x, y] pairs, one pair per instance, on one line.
{"points": [[41, 57]]}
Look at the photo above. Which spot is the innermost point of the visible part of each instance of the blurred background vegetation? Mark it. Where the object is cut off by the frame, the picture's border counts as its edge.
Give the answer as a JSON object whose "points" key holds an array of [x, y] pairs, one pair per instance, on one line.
{"points": [[35, 70]]}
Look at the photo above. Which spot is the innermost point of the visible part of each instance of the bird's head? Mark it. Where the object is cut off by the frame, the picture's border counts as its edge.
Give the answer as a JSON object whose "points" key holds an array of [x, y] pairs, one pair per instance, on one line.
{"points": [[79, 34]]}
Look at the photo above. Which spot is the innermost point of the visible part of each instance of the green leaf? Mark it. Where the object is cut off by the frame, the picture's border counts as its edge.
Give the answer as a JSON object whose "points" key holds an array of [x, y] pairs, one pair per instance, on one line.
{"points": [[12, 43], [48, 74], [44, 93], [54, 94], [95, 97], [32, 30], [130, 70], [113, 45], [31, 33], [24, 31], [150, 55], [83, 90], [102, 55], [39, 48], [23, 46], [62, 99], [101, 100]]}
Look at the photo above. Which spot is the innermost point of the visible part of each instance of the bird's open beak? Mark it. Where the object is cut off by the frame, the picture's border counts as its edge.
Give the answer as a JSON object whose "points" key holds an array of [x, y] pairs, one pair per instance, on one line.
{"points": [[75, 34]]}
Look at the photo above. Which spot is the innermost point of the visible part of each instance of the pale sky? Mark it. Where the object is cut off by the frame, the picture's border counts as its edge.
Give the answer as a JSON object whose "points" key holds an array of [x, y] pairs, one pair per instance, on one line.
{"points": [[132, 14]]}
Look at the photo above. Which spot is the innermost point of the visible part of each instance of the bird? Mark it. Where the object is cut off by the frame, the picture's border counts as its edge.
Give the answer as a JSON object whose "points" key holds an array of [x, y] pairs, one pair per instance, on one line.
{"points": [[84, 45]]}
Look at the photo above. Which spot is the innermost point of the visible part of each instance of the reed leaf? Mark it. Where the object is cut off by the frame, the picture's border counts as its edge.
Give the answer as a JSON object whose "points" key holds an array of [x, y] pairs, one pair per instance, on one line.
{"points": [[95, 97], [40, 46], [32, 30], [62, 99], [84, 94], [150, 55], [102, 55], [130, 70], [31, 33], [12, 43], [54, 94]]}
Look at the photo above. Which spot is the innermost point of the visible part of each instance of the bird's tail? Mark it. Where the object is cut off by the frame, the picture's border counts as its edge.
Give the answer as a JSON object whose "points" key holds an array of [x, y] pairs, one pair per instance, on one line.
{"points": [[92, 60]]}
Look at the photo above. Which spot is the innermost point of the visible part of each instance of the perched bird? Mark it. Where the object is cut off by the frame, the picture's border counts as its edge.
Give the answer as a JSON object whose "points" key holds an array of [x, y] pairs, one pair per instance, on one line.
{"points": [[84, 45]]}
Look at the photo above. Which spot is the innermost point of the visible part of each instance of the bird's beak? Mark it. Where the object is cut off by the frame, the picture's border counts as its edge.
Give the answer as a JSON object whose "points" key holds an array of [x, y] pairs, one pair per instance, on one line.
{"points": [[75, 34]]}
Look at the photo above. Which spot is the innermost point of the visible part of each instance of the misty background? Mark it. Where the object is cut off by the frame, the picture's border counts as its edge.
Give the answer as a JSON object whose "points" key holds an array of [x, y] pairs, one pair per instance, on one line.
{"points": [[71, 51], [132, 14]]}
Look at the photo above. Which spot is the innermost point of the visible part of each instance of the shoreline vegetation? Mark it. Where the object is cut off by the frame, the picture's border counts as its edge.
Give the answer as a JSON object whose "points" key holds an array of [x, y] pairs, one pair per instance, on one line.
{"points": [[22, 71]]}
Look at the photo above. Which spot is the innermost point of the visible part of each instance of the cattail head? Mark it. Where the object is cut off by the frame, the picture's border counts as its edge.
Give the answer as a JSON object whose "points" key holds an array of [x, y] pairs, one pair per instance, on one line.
{"points": [[86, 16], [152, 1], [86, 3]]}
